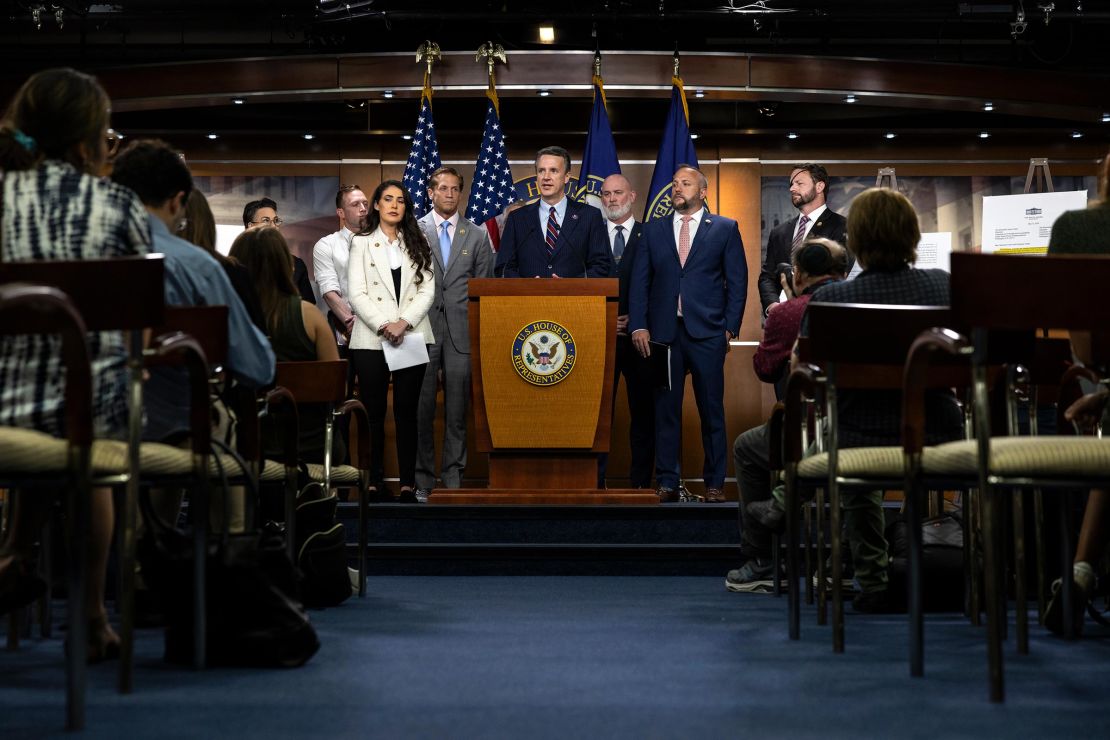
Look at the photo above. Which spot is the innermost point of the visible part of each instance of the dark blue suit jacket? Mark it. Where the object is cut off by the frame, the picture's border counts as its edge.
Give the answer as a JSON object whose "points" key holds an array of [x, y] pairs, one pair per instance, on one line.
{"points": [[582, 249], [624, 266], [713, 284]]}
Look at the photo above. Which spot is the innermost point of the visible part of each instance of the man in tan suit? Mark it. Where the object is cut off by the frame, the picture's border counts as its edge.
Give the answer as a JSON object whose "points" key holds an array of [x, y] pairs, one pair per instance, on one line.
{"points": [[460, 251]]}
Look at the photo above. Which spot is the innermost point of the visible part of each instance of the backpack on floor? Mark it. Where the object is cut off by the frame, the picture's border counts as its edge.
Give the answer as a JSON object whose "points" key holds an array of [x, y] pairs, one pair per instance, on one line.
{"points": [[321, 547]]}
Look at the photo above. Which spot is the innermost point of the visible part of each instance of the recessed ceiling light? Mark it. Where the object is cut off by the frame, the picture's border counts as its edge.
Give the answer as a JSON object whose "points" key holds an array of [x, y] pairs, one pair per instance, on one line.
{"points": [[988, 106], [792, 135], [699, 93], [213, 136], [693, 136], [237, 101], [1077, 134], [984, 134], [309, 137], [547, 34], [890, 134], [406, 137], [387, 94], [849, 98], [544, 93]]}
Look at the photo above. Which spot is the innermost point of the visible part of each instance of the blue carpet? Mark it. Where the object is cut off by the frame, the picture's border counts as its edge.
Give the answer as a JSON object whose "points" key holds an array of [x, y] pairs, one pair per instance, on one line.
{"points": [[667, 657]]}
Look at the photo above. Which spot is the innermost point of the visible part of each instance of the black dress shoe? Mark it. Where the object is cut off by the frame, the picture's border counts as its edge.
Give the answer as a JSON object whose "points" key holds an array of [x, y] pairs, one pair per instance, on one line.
{"points": [[408, 496], [667, 495], [768, 514]]}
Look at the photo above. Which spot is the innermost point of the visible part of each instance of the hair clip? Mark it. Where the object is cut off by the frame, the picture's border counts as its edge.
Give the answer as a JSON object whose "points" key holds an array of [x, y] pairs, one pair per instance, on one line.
{"points": [[24, 140]]}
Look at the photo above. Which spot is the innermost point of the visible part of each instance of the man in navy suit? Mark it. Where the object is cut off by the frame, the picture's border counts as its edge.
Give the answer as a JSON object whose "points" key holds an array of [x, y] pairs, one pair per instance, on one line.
{"points": [[555, 237], [689, 284], [617, 199]]}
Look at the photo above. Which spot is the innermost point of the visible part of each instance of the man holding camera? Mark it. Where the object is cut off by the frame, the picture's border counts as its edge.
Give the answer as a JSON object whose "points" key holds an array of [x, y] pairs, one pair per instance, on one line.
{"points": [[808, 190]]}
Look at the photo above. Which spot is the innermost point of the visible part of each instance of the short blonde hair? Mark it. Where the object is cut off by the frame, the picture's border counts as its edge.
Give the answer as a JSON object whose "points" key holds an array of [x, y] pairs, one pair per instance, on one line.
{"points": [[882, 229]]}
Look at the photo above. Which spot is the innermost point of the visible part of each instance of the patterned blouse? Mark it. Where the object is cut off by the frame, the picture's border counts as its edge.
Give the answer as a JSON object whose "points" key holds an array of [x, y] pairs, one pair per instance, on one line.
{"points": [[55, 212]]}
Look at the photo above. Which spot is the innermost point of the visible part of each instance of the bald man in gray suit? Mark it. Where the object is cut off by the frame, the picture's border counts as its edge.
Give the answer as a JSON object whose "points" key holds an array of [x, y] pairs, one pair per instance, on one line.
{"points": [[460, 251]]}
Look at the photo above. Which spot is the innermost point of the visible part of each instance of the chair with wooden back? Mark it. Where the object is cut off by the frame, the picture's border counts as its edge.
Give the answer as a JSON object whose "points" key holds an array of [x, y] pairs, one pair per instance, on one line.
{"points": [[30, 459], [992, 293]]}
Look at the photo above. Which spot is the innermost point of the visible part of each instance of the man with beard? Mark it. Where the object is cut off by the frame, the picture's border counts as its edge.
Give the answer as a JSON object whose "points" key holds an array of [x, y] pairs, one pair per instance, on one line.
{"points": [[617, 197], [808, 190], [689, 284]]}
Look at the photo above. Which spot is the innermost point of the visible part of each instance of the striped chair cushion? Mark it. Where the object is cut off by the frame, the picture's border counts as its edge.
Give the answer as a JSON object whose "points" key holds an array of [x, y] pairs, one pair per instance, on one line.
{"points": [[1050, 457], [856, 462], [342, 475]]}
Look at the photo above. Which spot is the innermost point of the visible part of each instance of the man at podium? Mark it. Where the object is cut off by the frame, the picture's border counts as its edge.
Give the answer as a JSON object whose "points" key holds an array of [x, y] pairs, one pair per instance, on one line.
{"points": [[555, 237]]}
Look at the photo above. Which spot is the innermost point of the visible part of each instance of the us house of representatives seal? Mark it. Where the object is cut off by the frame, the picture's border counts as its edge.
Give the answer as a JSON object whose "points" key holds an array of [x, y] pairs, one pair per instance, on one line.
{"points": [[543, 353]]}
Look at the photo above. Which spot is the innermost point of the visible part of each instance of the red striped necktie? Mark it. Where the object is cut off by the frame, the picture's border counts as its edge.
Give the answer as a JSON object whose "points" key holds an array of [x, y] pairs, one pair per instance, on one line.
{"points": [[552, 235]]}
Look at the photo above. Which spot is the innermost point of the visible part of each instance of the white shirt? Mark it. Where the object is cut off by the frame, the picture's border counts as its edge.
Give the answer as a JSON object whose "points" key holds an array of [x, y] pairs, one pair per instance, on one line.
{"points": [[695, 219], [813, 217], [628, 223], [329, 263]]}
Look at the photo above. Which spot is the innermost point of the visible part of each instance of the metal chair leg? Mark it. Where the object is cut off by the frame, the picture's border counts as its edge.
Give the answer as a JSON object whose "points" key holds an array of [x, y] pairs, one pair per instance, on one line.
{"points": [[975, 547], [914, 599], [807, 531], [776, 564], [1021, 609], [837, 576], [994, 595], [199, 511], [793, 605], [1038, 531], [363, 520], [822, 573]]}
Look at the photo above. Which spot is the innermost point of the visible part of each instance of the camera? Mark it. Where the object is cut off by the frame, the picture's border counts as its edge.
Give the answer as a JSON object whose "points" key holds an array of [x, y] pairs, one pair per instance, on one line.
{"points": [[784, 268]]}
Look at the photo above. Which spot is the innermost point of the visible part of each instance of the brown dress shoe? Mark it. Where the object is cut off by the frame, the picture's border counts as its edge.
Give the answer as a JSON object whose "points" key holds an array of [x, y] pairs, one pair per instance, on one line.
{"points": [[667, 495], [714, 496]]}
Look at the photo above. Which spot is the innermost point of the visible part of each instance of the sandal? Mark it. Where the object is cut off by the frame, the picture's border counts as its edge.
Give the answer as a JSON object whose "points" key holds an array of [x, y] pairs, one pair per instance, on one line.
{"points": [[103, 641]]}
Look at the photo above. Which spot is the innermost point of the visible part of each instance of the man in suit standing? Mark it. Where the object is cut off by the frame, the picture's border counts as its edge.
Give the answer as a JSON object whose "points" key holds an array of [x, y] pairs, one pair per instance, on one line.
{"points": [[556, 237], [460, 251], [617, 198], [808, 189], [689, 284]]}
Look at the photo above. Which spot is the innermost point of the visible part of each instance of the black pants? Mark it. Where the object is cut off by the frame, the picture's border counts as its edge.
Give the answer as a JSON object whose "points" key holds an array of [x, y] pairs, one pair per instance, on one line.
{"points": [[641, 410], [373, 381]]}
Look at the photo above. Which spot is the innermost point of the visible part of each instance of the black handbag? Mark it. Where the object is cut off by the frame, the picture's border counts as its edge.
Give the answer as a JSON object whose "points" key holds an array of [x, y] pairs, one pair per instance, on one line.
{"points": [[322, 553], [254, 615]]}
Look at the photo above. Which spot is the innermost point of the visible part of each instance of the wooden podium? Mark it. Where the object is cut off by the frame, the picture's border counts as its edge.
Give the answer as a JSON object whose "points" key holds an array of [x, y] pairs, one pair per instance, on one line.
{"points": [[542, 355]]}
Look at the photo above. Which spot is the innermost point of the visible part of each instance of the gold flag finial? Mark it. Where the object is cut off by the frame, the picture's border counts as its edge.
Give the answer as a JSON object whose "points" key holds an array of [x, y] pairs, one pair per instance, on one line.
{"points": [[493, 53], [428, 53], [676, 63]]}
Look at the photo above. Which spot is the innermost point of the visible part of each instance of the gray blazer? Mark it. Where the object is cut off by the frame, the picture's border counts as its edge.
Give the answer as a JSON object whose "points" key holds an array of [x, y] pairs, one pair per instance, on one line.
{"points": [[472, 255]]}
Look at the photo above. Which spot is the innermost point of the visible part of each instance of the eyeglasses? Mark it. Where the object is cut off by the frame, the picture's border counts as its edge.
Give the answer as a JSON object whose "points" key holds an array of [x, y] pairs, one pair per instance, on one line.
{"points": [[113, 140], [267, 221], [182, 225]]}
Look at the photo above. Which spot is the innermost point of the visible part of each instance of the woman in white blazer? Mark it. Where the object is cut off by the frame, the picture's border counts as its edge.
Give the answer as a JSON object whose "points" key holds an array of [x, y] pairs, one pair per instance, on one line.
{"points": [[391, 286]]}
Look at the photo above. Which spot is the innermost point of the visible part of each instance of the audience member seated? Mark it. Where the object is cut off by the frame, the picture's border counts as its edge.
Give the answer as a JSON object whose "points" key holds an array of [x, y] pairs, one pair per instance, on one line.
{"points": [[259, 213], [816, 263], [199, 227], [298, 332], [159, 176], [54, 142], [1085, 232], [883, 233]]}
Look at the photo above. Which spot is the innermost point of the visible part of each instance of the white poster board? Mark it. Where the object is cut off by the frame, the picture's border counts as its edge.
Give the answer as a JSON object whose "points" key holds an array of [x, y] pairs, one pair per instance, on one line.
{"points": [[1022, 224], [935, 251]]}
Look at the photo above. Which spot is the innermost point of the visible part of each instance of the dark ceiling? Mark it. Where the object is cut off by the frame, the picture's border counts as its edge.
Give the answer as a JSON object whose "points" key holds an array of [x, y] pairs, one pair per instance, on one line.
{"points": [[1061, 35]]}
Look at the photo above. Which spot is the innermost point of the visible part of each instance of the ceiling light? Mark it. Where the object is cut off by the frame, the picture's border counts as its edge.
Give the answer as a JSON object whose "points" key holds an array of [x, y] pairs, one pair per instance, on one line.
{"points": [[693, 136], [1106, 117], [238, 101], [387, 94], [213, 136], [984, 134], [309, 137], [849, 98], [1077, 134], [406, 137], [792, 135], [890, 134], [699, 93], [547, 34], [988, 106], [544, 93]]}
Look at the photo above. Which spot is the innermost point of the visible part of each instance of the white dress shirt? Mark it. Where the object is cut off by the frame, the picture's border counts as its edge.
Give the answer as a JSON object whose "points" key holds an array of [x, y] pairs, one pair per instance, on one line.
{"points": [[545, 211], [329, 263], [814, 217], [628, 223]]}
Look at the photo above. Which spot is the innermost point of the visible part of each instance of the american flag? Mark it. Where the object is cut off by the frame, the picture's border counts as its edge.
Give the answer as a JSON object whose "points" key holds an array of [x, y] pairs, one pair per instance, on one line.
{"points": [[492, 189], [423, 157]]}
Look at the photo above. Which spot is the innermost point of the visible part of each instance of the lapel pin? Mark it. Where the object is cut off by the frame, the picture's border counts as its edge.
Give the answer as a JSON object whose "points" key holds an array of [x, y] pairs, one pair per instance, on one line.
{"points": [[574, 216], [464, 253]]}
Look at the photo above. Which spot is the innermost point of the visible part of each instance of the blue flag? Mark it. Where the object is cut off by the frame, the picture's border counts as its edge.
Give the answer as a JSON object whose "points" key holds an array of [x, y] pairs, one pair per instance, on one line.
{"points": [[600, 159], [491, 190], [424, 155], [677, 148]]}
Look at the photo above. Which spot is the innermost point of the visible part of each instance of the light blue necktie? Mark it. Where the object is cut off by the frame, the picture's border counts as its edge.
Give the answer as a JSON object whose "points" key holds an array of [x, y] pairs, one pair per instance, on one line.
{"points": [[445, 242]]}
